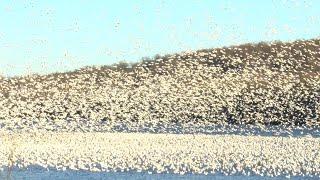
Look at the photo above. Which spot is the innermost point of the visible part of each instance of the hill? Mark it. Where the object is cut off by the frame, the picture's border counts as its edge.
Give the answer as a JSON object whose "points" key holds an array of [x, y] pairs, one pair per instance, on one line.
{"points": [[272, 83]]}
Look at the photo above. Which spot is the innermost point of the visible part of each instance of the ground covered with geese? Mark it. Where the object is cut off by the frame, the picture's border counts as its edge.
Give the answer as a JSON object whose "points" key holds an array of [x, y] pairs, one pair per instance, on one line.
{"points": [[252, 109]]}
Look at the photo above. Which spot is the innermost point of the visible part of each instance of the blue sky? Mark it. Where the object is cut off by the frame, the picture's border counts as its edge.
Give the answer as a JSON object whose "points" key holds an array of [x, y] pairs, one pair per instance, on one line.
{"points": [[49, 36]]}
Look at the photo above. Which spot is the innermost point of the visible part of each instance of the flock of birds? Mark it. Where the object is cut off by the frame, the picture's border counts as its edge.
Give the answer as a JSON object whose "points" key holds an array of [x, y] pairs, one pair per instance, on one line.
{"points": [[263, 84], [165, 153], [252, 85]]}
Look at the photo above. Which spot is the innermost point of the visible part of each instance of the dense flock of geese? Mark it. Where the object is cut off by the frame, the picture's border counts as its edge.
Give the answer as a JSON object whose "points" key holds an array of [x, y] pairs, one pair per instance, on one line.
{"points": [[251, 85], [259, 84], [165, 153]]}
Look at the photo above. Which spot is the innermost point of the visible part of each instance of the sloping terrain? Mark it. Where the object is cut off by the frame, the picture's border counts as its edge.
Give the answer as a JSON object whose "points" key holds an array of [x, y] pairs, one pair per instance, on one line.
{"points": [[260, 84]]}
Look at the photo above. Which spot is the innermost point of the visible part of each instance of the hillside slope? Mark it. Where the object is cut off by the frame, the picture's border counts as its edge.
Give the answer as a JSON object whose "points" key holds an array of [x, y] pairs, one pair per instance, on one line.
{"points": [[262, 84]]}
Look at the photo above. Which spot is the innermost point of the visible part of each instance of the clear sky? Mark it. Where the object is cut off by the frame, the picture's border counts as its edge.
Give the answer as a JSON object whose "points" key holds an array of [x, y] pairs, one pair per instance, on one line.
{"points": [[47, 36]]}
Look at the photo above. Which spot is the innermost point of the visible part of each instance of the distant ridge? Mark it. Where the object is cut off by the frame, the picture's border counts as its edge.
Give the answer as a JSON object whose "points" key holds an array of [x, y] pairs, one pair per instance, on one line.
{"points": [[249, 47]]}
